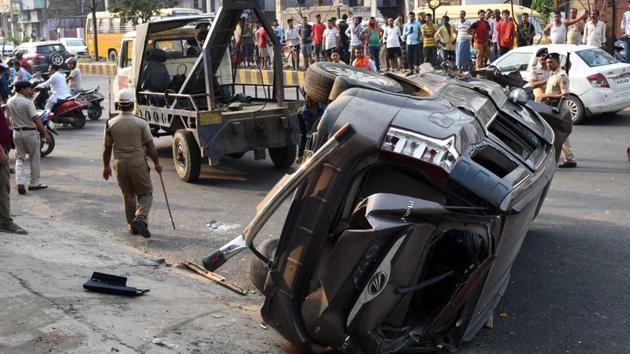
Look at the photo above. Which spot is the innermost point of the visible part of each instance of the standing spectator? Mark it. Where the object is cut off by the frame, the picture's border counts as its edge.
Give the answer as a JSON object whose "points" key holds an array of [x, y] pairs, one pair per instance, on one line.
{"points": [[27, 132], [493, 21], [595, 32], [481, 32], [5, 91], [525, 32], [462, 47], [507, 31], [263, 47], [356, 35], [247, 39], [446, 37], [625, 31], [345, 39], [557, 29], [391, 36], [373, 39], [400, 23], [574, 31], [318, 36], [363, 61], [293, 39], [6, 222], [332, 41], [429, 50], [411, 33], [306, 40], [278, 31]]}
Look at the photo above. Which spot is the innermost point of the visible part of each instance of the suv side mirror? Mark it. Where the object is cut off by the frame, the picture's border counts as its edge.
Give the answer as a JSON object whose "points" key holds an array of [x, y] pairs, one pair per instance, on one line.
{"points": [[519, 96]]}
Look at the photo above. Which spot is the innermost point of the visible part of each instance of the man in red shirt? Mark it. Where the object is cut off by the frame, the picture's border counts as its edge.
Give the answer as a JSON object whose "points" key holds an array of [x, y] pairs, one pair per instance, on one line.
{"points": [[481, 31], [263, 48], [318, 36], [507, 31]]}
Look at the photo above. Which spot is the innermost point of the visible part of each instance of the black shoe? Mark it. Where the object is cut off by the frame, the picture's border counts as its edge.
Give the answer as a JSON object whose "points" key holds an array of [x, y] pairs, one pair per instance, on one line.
{"points": [[38, 187], [132, 230], [21, 189], [568, 164], [141, 227]]}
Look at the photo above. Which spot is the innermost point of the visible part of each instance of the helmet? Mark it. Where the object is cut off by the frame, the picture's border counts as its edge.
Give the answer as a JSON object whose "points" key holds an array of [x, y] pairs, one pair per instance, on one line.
{"points": [[71, 60], [125, 96]]}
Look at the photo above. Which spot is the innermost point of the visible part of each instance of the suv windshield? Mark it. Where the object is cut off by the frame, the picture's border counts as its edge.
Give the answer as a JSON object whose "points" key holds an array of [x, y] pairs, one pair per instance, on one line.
{"points": [[596, 57], [75, 42], [47, 49]]}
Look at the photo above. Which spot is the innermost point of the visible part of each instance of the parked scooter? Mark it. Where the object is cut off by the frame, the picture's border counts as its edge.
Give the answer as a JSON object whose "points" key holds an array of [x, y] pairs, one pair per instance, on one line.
{"points": [[66, 111], [94, 100]]}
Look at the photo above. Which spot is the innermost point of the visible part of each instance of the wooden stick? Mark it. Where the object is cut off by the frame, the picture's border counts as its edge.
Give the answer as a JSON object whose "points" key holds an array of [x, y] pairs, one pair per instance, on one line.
{"points": [[168, 206]]}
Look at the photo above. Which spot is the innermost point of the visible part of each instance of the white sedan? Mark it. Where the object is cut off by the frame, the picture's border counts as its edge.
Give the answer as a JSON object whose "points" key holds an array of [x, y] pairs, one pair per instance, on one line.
{"points": [[598, 83]]}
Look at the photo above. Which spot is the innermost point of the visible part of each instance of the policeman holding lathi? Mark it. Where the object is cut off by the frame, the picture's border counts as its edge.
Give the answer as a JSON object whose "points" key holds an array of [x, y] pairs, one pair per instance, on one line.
{"points": [[130, 140]]}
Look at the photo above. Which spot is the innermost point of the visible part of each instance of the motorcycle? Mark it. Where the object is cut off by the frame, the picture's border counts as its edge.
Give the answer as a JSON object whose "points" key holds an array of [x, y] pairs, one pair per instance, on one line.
{"points": [[45, 147], [67, 111], [94, 101], [401, 233]]}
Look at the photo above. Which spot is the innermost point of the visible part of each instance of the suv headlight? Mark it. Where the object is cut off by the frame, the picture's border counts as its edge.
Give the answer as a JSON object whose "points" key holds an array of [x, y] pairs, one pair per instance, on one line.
{"points": [[439, 152]]}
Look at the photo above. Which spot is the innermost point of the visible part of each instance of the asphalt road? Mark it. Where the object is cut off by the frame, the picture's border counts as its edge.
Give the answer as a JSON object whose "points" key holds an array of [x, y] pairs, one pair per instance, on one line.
{"points": [[569, 286]]}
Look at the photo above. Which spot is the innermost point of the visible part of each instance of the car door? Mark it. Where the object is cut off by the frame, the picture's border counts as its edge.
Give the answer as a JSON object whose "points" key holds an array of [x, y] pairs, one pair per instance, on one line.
{"points": [[125, 71]]}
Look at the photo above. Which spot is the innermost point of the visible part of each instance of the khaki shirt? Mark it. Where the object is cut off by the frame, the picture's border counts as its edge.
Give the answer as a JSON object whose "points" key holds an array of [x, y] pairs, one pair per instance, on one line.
{"points": [[21, 110], [537, 73], [128, 135], [558, 82]]}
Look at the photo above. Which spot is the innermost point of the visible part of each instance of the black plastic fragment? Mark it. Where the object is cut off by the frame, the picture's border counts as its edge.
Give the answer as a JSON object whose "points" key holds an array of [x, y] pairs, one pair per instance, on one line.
{"points": [[111, 284]]}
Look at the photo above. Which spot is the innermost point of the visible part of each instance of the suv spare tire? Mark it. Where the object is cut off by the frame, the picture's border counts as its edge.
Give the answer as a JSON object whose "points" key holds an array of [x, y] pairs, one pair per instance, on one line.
{"points": [[320, 79], [56, 58]]}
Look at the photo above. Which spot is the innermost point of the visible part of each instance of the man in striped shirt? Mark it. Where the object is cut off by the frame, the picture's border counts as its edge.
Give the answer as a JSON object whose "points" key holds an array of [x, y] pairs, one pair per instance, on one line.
{"points": [[429, 49]]}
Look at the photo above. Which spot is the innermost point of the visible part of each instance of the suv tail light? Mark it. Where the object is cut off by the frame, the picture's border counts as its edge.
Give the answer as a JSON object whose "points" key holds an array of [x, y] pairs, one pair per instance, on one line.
{"points": [[438, 152], [598, 80], [37, 57]]}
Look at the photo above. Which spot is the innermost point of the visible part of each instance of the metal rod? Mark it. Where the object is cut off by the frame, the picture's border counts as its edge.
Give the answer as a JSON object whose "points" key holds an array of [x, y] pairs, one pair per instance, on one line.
{"points": [[168, 206]]}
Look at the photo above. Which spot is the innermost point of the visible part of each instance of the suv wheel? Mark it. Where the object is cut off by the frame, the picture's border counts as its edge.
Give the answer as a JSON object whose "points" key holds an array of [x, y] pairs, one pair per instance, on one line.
{"points": [[56, 58]]}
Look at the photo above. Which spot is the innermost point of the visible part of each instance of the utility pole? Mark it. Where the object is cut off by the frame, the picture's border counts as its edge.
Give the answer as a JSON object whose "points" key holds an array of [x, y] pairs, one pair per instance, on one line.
{"points": [[94, 30], [373, 8]]}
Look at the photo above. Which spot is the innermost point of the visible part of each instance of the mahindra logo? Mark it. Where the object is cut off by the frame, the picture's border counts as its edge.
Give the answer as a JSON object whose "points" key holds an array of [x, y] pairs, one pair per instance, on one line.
{"points": [[377, 283]]}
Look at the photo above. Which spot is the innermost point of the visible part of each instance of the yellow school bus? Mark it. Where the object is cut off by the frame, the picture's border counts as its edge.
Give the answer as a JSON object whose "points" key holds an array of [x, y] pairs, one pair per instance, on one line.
{"points": [[111, 30]]}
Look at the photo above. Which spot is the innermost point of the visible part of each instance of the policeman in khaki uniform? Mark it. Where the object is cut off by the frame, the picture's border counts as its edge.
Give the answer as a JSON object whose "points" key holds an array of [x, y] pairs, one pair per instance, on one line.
{"points": [[131, 141], [558, 86], [539, 74]]}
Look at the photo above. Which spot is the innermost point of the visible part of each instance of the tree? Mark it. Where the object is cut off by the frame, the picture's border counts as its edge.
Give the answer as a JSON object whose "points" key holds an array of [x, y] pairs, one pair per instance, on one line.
{"points": [[137, 11], [543, 7], [434, 4]]}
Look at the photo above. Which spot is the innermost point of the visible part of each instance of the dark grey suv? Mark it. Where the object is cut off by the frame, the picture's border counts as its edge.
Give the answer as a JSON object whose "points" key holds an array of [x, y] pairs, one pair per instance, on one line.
{"points": [[41, 54]]}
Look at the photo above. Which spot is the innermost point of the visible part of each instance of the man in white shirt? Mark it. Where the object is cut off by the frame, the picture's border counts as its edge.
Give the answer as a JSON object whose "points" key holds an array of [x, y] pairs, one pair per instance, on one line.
{"points": [[332, 39], [57, 85], [595, 31], [391, 37], [355, 32], [625, 31], [293, 39]]}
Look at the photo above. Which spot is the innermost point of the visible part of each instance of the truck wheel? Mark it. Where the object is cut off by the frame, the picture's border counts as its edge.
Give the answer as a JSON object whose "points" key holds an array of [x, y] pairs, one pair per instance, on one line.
{"points": [[78, 120], [320, 78], [283, 157], [186, 156], [46, 148], [257, 268]]}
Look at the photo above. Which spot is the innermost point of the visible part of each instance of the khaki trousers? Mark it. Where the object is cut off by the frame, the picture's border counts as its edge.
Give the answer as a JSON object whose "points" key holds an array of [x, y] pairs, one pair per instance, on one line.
{"points": [[135, 185], [5, 188], [27, 143], [567, 153], [483, 53]]}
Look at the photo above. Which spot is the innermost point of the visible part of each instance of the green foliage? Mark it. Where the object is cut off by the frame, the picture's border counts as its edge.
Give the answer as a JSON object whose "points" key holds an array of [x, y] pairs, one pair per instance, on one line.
{"points": [[543, 7], [139, 10]]}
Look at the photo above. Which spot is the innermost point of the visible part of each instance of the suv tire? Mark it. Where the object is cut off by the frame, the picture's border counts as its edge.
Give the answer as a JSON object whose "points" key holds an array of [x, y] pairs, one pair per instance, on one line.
{"points": [[56, 58], [186, 156], [320, 79]]}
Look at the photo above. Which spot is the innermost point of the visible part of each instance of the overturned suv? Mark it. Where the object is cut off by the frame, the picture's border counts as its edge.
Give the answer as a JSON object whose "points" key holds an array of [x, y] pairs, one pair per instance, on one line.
{"points": [[407, 217]]}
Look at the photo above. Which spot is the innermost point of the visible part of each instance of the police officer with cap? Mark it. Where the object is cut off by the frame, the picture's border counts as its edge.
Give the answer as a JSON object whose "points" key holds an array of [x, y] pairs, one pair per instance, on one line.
{"points": [[539, 74], [26, 124], [130, 140], [558, 86]]}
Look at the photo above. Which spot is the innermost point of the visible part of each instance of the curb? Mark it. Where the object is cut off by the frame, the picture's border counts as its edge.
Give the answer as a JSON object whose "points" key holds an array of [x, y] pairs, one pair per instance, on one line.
{"points": [[243, 76]]}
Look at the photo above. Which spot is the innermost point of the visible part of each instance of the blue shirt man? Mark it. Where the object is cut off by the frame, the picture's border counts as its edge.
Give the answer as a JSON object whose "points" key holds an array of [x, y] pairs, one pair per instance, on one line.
{"points": [[412, 32]]}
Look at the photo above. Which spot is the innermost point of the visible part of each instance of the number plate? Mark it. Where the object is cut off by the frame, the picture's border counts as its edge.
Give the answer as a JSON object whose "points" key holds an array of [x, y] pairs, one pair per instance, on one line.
{"points": [[210, 118], [623, 82]]}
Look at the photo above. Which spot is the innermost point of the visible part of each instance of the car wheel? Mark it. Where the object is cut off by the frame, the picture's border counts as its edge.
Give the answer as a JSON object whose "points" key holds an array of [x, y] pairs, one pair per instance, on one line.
{"points": [[186, 156], [283, 157], [257, 268], [112, 56], [320, 78], [56, 58], [576, 108]]}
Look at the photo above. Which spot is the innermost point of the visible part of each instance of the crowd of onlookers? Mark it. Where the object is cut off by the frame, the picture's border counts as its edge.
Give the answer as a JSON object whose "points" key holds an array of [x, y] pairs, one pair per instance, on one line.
{"points": [[404, 44]]}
